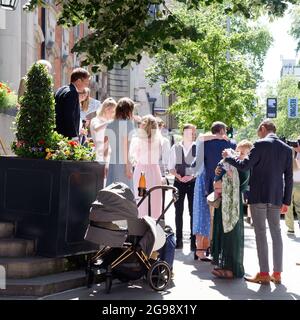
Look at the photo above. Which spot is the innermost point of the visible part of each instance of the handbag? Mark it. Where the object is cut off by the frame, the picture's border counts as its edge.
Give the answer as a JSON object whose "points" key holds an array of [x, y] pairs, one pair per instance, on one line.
{"points": [[213, 200]]}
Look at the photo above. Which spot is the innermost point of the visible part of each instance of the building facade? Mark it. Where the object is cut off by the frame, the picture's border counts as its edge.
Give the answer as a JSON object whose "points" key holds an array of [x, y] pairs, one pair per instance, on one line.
{"points": [[27, 37], [289, 67]]}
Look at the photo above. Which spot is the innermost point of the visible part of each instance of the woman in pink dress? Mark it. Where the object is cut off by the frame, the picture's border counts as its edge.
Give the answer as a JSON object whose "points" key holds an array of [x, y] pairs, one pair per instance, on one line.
{"points": [[145, 151]]}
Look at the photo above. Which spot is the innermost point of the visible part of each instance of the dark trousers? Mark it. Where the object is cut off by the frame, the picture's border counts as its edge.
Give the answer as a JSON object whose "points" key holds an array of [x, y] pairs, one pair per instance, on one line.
{"points": [[184, 189]]}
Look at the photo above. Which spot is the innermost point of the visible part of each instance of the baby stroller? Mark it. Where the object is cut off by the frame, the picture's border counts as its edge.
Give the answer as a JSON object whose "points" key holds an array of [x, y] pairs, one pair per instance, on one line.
{"points": [[127, 243]]}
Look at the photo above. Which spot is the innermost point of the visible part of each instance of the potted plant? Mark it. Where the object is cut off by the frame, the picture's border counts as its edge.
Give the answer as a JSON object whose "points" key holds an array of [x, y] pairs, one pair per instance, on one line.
{"points": [[49, 186], [8, 98]]}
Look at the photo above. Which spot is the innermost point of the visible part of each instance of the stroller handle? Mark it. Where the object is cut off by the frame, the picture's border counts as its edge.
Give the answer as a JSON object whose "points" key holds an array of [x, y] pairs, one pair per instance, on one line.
{"points": [[165, 206], [175, 193]]}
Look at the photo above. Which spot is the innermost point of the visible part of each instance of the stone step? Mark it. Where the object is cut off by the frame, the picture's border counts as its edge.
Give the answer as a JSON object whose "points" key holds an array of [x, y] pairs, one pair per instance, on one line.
{"points": [[28, 267], [16, 247], [6, 229], [45, 285]]}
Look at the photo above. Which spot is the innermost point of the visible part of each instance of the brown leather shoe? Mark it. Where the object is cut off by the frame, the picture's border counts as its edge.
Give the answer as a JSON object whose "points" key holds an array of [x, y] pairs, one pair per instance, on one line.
{"points": [[276, 278], [259, 279]]}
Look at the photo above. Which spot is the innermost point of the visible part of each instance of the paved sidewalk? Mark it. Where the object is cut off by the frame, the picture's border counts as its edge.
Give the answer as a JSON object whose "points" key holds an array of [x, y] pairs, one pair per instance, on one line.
{"points": [[194, 281]]}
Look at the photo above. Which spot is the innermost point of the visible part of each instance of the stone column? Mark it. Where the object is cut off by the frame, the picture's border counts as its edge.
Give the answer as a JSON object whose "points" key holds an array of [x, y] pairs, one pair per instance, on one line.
{"points": [[10, 48], [28, 45]]}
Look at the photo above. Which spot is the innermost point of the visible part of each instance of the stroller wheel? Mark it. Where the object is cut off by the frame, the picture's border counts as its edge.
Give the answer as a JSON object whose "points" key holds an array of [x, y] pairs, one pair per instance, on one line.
{"points": [[90, 278], [159, 275]]}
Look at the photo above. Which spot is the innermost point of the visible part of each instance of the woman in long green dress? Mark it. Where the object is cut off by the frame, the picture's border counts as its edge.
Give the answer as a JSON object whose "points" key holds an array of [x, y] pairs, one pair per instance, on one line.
{"points": [[228, 225]]}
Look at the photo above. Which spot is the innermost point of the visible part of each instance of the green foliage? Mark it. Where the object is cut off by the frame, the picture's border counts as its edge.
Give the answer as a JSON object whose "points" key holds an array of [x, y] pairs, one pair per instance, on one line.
{"points": [[295, 25], [35, 119], [287, 88], [35, 122], [249, 130], [122, 30], [7, 97], [214, 78]]}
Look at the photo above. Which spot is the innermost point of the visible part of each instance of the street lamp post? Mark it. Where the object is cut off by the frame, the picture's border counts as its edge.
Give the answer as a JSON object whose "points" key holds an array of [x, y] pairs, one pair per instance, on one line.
{"points": [[9, 4]]}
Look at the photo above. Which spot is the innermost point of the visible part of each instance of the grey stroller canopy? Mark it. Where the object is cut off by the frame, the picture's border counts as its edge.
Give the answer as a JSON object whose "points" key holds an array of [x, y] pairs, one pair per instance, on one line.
{"points": [[115, 202], [114, 216]]}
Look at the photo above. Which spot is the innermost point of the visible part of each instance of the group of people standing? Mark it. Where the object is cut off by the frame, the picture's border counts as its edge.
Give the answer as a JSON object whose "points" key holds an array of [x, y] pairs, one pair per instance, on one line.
{"points": [[130, 145], [268, 167]]}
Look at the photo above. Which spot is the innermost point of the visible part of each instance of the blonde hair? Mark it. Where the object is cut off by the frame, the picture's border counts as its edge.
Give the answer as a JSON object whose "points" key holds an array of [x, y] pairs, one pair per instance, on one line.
{"points": [[150, 124], [85, 103], [160, 122], [245, 144], [106, 104]]}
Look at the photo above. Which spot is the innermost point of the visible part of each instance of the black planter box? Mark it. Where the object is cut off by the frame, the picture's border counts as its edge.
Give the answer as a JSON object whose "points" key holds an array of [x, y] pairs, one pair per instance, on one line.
{"points": [[50, 201]]}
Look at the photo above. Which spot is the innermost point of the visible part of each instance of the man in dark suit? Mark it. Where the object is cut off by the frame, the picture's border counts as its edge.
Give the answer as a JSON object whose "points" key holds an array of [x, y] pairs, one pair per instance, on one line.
{"points": [[213, 152], [271, 184], [212, 156], [67, 106]]}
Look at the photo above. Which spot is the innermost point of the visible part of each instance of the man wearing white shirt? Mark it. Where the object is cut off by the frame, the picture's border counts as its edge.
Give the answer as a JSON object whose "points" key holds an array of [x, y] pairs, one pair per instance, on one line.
{"points": [[182, 166]]}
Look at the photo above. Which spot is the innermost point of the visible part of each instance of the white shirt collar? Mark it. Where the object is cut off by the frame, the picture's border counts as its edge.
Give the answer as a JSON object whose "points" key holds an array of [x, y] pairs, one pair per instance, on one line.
{"points": [[185, 149]]}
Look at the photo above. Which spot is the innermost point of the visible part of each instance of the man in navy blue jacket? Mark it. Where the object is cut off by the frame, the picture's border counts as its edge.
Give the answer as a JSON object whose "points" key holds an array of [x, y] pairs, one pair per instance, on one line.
{"points": [[67, 106], [212, 156], [213, 153], [271, 184]]}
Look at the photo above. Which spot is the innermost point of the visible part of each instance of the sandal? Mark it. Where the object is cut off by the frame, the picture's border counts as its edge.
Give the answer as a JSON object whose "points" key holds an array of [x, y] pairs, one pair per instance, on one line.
{"points": [[196, 257], [202, 258], [222, 274], [207, 259], [208, 251]]}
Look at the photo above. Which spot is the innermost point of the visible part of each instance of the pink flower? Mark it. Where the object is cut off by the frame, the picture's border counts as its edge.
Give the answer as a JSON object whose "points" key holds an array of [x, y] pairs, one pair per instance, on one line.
{"points": [[20, 143]]}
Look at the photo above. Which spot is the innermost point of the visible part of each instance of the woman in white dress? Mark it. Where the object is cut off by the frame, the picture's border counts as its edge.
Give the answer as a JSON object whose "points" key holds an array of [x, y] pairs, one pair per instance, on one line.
{"points": [[105, 114], [145, 152]]}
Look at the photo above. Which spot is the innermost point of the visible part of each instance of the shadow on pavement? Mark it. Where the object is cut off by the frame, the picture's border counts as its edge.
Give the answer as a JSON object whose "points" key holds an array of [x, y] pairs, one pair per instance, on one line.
{"points": [[239, 289]]}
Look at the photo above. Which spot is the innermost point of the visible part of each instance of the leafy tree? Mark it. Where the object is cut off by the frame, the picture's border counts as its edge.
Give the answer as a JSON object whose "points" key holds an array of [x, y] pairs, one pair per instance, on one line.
{"points": [[287, 88], [249, 130], [122, 30], [214, 78], [295, 26]]}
